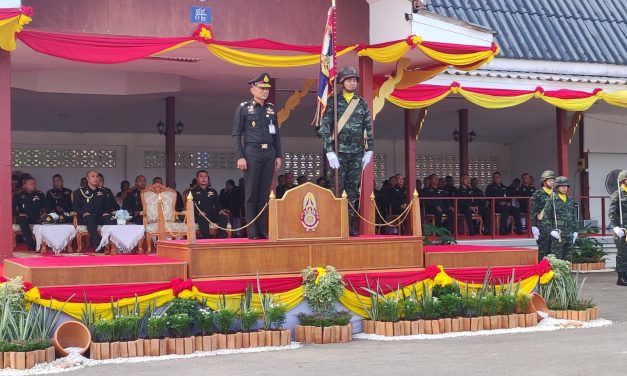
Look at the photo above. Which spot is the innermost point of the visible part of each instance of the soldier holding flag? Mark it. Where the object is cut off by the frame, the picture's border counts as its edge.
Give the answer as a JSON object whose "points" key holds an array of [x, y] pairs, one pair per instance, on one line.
{"points": [[559, 212], [618, 205]]}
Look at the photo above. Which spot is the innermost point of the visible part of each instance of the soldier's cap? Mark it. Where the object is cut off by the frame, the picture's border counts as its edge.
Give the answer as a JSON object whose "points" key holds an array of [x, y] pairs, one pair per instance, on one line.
{"points": [[548, 174], [347, 72], [622, 175], [263, 81], [561, 181]]}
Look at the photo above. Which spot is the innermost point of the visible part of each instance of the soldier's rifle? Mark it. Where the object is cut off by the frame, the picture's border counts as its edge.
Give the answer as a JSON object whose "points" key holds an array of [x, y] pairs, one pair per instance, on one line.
{"points": [[559, 232], [620, 207]]}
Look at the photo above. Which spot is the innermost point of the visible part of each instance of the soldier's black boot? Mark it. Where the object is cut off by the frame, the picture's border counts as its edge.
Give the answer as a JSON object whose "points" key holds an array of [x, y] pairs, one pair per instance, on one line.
{"points": [[353, 226], [622, 279]]}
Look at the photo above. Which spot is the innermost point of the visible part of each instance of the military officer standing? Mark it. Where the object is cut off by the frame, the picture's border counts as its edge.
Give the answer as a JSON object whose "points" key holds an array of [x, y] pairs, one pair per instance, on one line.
{"points": [[618, 220], [93, 206], [59, 200], [207, 206], [542, 231], [559, 212], [258, 149], [28, 207], [133, 200], [354, 138]]}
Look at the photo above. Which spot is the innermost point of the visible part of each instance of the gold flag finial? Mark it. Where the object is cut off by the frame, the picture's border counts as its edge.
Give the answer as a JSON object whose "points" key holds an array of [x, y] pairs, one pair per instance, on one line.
{"points": [[272, 196], [344, 195], [415, 193], [189, 196]]}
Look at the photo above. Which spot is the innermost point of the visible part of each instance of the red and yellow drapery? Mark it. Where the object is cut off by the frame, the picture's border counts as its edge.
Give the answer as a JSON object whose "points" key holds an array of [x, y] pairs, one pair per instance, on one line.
{"points": [[286, 290]]}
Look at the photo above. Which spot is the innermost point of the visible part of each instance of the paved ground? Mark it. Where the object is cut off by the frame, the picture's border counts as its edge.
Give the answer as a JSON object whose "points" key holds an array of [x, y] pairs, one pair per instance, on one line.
{"points": [[598, 351]]}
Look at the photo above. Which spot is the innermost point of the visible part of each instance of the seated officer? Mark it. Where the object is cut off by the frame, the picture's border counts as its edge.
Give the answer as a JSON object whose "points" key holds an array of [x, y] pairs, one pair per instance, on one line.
{"points": [[503, 206], [133, 200], [207, 206], [59, 200], [28, 207], [438, 207], [93, 206]]}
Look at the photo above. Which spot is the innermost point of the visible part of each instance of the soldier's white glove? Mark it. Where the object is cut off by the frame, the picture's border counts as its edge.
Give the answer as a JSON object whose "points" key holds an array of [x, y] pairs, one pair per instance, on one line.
{"points": [[536, 232], [575, 235], [366, 159], [54, 216], [334, 163], [619, 231], [555, 234]]}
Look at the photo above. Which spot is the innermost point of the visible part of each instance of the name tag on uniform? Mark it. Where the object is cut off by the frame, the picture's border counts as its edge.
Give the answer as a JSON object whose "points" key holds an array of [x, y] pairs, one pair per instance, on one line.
{"points": [[272, 128]]}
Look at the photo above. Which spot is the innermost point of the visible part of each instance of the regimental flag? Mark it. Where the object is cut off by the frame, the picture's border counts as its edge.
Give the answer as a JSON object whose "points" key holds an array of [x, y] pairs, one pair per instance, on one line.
{"points": [[326, 78]]}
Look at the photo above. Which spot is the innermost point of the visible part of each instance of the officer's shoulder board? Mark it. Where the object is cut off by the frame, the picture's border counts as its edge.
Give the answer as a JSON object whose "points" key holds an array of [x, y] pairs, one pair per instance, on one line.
{"points": [[243, 104]]}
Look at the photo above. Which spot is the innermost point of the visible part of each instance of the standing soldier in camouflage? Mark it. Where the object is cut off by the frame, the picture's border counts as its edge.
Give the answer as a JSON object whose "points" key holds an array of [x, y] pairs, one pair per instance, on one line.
{"points": [[542, 233], [559, 213], [618, 220], [355, 142]]}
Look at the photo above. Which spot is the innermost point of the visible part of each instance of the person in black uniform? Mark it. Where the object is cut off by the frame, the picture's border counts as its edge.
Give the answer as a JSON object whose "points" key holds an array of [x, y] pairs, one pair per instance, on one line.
{"points": [[524, 190], [93, 206], [437, 207], [258, 148], [467, 207], [207, 206], [101, 184], [28, 207], [59, 200], [482, 205], [504, 207], [133, 200]]}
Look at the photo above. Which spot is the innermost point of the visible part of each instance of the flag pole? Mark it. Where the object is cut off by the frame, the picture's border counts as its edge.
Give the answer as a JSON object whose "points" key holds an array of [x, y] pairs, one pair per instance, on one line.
{"points": [[337, 151]]}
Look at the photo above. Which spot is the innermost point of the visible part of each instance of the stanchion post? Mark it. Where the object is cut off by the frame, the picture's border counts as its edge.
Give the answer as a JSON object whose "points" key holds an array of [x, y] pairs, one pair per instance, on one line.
{"points": [[415, 215], [344, 216], [372, 214], [273, 229], [190, 219]]}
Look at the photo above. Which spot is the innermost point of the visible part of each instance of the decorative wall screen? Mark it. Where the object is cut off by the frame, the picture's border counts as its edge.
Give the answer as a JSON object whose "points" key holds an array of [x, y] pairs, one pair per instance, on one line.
{"points": [[479, 166], [379, 170], [192, 160], [310, 165], [79, 158]]}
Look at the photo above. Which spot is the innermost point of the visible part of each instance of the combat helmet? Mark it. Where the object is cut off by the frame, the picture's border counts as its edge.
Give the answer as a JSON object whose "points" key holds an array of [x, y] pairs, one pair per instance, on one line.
{"points": [[347, 72], [561, 181], [548, 174]]}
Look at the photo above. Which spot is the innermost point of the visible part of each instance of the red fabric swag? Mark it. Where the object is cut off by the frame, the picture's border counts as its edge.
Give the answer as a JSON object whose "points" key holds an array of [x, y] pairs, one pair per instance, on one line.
{"points": [[388, 281], [499, 274], [101, 293], [270, 285]]}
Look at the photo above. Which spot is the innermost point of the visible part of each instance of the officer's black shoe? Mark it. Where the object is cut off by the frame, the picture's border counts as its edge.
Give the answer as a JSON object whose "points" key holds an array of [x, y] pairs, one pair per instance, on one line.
{"points": [[622, 279]]}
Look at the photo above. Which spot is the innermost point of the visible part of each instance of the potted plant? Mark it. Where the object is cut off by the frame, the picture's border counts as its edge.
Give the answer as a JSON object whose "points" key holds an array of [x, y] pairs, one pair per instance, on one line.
{"points": [[322, 290], [588, 252], [224, 318], [248, 317], [209, 340]]}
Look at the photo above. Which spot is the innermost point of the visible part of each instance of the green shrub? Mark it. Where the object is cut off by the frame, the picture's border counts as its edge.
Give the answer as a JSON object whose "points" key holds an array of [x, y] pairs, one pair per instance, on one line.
{"points": [[411, 308], [490, 305], [449, 305], [224, 319], [179, 324], [439, 291], [205, 322], [126, 327], [507, 304], [188, 307], [248, 319], [278, 315], [336, 318], [524, 301], [104, 330], [323, 294], [156, 326]]}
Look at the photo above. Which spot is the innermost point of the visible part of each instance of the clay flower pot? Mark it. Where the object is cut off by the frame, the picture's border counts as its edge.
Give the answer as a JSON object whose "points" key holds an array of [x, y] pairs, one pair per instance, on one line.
{"points": [[538, 305], [71, 334]]}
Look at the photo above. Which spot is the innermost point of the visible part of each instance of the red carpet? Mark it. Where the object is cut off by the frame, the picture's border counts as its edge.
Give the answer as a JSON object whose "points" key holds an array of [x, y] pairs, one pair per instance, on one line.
{"points": [[90, 260], [470, 248]]}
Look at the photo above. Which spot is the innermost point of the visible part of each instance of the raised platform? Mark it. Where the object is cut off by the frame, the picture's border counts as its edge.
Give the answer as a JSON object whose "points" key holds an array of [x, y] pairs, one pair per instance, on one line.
{"points": [[470, 256], [243, 257], [94, 270]]}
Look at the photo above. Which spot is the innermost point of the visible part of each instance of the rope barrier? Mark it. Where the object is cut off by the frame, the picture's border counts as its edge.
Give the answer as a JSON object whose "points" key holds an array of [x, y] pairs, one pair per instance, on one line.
{"points": [[232, 229]]}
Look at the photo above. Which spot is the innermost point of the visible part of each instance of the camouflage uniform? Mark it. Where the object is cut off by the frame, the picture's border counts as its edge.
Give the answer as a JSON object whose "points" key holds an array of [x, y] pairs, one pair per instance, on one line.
{"points": [[351, 142], [566, 222], [615, 221], [538, 201]]}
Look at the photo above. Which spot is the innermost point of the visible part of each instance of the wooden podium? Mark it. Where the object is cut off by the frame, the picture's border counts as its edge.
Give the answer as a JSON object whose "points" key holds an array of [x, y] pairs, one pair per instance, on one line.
{"points": [[307, 227]]}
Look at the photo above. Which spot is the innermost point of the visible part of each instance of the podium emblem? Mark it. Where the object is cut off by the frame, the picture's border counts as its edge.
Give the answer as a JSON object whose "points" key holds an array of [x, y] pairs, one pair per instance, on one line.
{"points": [[309, 217]]}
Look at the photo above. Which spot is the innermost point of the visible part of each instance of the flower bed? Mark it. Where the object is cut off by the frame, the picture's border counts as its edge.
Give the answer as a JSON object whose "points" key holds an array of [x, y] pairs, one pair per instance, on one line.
{"points": [[21, 360], [587, 314], [588, 266], [323, 335]]}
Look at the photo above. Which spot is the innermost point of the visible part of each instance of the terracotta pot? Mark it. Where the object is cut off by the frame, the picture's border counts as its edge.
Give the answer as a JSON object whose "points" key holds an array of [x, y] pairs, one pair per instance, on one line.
{"points": [[286, 337], [536, 305], [123, 349], [299, 332], [188, 345], [71, 334]]}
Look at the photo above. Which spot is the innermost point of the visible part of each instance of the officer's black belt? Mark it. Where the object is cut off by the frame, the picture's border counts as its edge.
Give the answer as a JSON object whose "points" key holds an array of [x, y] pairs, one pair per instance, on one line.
{"points": [[259, 145]]}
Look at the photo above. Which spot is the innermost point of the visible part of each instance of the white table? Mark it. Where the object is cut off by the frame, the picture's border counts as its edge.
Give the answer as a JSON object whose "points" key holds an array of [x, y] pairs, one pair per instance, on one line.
{"points": [[123, 237], [58, 237]]}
